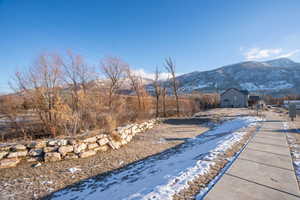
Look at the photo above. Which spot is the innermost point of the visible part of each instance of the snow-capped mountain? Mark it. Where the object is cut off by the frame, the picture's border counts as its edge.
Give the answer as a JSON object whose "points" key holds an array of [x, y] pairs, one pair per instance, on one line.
{"points": [[279, 76]]}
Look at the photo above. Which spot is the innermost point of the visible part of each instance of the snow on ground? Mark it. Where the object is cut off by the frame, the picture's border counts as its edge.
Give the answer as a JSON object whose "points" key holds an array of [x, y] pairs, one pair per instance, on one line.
{"points": [[295, 149], [162, 175], [74, 169]]}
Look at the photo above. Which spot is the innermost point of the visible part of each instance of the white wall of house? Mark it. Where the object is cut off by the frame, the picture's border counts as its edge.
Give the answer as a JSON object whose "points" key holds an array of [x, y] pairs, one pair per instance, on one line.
{"points": [[233, 98]]}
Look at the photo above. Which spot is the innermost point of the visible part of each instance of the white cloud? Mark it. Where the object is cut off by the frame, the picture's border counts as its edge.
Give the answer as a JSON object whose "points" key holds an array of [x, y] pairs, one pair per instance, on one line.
{"points": [[143, 73], [289, 54], [258, 53]]}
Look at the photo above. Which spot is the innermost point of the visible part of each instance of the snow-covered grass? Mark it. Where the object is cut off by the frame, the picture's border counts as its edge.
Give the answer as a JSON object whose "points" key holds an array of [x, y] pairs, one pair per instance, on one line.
{"points": [[163, 175]]}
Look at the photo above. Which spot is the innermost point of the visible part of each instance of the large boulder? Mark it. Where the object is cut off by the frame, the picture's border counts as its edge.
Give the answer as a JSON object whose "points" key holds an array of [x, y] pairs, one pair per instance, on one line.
{"points": [[3, 154], [114, 144], [78, 148], [50, 149], [72, 141], [9, 162], [90, 140], [62, 142], [102, 148], [5, 147], [52, 156], [93, 146], [69, 156], [102, 141], [63, 150], [52, 143], [87, 154], [34, 159], [17, 154], [37, 144], [35, 152], [18, 147]]}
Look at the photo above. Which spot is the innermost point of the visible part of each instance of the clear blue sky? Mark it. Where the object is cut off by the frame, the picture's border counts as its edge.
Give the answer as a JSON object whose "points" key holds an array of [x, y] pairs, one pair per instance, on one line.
{"points": [[198, 34]]}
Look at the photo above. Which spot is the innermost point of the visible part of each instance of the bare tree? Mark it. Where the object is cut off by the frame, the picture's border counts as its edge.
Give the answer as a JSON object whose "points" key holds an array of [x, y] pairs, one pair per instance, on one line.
{"points": [[136, 85], [164, 93], [113, 69], [157, 90], [41, 84], [77, 74], [170, 67]]}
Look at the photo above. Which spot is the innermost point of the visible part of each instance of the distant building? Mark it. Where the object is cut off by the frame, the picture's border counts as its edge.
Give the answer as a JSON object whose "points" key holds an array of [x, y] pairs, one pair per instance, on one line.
{"points": [[254, 100], [234, 98], [296, 102]]}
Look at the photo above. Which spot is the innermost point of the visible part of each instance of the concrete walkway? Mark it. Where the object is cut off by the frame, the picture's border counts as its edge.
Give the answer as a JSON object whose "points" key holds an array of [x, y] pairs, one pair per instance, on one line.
{"points": [[263, 170]]}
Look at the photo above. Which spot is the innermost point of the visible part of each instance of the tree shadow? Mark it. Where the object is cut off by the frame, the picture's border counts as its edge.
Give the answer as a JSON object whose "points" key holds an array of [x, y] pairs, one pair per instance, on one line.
{"points": [[186, 121], [292, 130]]}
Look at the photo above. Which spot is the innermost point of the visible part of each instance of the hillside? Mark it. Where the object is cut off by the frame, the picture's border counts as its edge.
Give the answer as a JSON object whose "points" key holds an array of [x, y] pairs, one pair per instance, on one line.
{"points": [[279, 76]]}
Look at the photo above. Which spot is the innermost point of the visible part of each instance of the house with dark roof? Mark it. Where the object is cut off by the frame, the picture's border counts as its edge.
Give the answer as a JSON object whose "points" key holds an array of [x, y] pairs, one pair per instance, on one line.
{"points": [[234, 98]]}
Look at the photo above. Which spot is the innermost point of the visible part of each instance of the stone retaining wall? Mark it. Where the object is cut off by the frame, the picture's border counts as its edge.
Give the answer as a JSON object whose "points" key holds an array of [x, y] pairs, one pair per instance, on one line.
{"points": [[62, 149]]}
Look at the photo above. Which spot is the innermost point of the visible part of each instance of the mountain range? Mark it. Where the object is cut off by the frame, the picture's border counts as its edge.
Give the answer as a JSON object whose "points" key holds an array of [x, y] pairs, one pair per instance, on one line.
{"points": [[276, 77]]}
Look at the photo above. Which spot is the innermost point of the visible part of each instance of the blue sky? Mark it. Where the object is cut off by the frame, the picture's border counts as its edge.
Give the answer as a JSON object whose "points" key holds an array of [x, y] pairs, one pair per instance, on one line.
{"points": [[198, 34]]}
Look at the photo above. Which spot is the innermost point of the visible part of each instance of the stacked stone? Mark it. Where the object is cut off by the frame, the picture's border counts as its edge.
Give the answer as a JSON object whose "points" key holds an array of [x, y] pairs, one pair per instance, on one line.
{"points": [[63, 149]]}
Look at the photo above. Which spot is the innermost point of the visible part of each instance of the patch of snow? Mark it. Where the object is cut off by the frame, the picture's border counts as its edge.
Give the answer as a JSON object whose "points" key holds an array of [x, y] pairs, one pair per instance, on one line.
{"points": [[46, 182], [73, 170], [37, 165], [272, 85], [121, 162], [161, 141], [162, 175], [295, 150]]}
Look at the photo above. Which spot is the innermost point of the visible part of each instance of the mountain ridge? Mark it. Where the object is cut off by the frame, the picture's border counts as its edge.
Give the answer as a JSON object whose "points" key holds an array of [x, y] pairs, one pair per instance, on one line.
{"points": [[276, 77]]}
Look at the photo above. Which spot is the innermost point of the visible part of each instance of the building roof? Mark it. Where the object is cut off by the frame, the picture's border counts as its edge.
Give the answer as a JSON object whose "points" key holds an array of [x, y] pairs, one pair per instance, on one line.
{"points": [[254, 98], [245, 92]]}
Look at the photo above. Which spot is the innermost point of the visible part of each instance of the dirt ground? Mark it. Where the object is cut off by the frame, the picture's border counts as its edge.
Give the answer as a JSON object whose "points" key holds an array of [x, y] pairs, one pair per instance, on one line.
{"points": [[28, 182]]}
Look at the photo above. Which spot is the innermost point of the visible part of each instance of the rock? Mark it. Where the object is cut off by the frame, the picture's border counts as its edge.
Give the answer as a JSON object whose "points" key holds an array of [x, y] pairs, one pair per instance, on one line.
{"points": [[36, 152], [101, 136], [114, 144], [3, 154], [31, 145], [52, 143], [9, 162], [17, 154], [50, 149], [78, 148], [87, 154], [37, 165], [19, 147], [90, 140], [62, 142], [128, 138], [102, 141], [34, 159], [93, 146], [63, 150], [72, 141], [5, 147], [102, 148], [123, 141], [52, 156], [71, 156], [37, 144]]}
